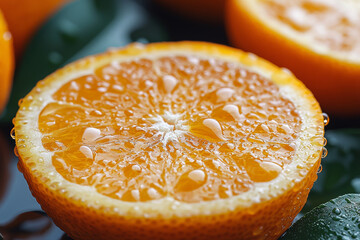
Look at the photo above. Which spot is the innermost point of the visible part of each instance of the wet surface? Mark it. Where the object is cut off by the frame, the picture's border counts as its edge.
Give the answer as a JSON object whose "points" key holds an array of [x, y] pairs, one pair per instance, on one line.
{"points": [[21, 216]]}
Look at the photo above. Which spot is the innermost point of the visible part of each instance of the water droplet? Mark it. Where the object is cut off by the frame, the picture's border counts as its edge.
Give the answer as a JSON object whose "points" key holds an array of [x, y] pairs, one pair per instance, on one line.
{"points": [[102, 89], [12, 133], [153, 193], [336, 218], [90, 134], [214, 126], [355, 234], [325, 142], [286, 70], [347, 227], [16, 152], [135, 194], [320, 169], [324, 152], [337, 211], [326, 119], [169, 83], [197, 175], [20, 101], [86, 151], [136, 168], [271, 167], [233, 110], [223, 94]]}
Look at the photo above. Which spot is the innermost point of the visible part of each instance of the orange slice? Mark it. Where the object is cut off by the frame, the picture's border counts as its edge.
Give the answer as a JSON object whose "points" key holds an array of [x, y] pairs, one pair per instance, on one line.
{"points": [[318, 40], [6, 62], [185, 140]]}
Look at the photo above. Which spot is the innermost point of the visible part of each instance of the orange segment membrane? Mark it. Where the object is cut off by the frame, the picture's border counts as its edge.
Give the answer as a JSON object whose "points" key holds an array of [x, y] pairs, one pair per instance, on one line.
{"points": [[179, 126], [328, 22]]}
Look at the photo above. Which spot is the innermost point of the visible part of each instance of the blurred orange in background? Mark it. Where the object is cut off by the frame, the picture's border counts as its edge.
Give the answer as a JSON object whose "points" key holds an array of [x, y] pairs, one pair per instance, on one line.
{"points": [[6, 62], [25, 16], [317, 40]]}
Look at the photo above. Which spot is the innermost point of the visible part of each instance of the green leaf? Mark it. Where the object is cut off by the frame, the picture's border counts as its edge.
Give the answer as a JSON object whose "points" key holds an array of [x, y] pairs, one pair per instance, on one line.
{"points": [[340, 169], [337, 219], [81, 28]]}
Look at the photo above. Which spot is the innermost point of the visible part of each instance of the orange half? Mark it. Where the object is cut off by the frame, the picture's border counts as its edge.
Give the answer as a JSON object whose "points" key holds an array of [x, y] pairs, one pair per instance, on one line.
{"points": [[318, 40], [185, 140]]}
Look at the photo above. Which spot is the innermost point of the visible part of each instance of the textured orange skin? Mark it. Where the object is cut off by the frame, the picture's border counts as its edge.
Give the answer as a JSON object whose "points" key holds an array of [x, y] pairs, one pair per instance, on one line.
{"points": [[204, 10], [6, 64], [25, 16], [81, 222], [335, 83]]}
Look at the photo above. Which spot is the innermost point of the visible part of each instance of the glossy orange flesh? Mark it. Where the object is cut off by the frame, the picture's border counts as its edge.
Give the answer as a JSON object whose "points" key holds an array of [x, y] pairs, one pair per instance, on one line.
{"points": [[326, 22], [179, 126]]}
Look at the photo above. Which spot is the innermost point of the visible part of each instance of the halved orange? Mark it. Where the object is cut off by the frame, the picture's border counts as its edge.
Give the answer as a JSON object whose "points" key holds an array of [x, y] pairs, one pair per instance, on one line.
{"points": [[187, 140], [6, 62], [317, 40]]}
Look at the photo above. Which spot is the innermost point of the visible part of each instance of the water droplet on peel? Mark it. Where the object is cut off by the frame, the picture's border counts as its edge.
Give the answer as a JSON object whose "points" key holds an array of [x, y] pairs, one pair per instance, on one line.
{"points": [[197, 175], [324, 152], [20, 101], [326, 119], [135, 194], [12, 133], [325, 142], [16, 152], [320, 169], [169, 83], [214, 126], [86, 151], [223, 94], [91, 134], [233, 110]]}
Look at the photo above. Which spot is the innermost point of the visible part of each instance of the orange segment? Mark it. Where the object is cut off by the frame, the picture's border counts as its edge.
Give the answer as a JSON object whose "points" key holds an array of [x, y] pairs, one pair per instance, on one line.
{"points": [[6, 62], [192, 134], [317, 40]]}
